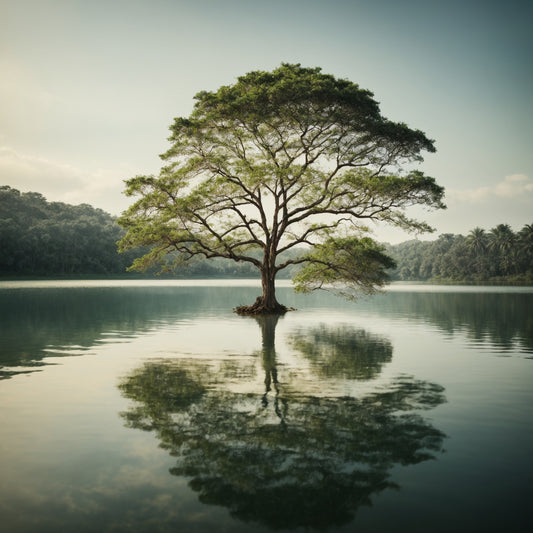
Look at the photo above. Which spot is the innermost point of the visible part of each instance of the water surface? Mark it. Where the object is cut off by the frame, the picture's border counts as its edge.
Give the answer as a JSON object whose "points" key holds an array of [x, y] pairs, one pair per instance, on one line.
{"points": [[151, 406]]}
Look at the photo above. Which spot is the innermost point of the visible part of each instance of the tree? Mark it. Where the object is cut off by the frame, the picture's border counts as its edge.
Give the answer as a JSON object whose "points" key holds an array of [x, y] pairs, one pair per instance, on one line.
{"points": [[502, 244], [476, 243], [277, 160], [525, 248]]}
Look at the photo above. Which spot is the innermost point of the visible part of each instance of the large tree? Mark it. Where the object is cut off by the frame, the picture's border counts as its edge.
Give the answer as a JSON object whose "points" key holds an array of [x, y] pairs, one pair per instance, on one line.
{"points": [[277, 160]]}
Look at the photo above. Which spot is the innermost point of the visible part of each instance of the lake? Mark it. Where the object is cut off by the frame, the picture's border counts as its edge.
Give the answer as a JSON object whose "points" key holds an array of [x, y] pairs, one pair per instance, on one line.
{"points": [[150, 406]]}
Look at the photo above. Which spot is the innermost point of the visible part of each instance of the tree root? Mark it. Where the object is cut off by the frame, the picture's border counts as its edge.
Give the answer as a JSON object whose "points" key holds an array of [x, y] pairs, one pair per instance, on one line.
{"points": [[259, 308]]}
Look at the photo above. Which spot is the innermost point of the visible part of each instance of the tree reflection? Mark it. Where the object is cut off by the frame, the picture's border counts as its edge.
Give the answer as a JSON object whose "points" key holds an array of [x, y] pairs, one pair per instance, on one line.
{"points": [[301, 460], [343, 351]]}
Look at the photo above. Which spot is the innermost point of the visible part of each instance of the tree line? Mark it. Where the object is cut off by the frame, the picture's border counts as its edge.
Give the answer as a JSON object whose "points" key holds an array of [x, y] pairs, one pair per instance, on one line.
{"points": [[41, 238], [45, 239], [497, 255]]}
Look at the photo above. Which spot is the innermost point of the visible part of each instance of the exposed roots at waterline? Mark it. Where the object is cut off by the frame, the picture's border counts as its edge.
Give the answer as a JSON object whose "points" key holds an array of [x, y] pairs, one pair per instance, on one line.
{"points": [[259, 308]]}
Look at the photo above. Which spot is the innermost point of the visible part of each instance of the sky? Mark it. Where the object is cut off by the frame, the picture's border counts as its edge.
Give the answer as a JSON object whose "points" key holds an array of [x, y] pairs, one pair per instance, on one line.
{"points": [[88, 89]]}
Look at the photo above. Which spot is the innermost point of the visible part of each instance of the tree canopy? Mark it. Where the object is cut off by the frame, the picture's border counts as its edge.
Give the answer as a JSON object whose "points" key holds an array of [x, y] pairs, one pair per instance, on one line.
{"points": [[276, 160]]}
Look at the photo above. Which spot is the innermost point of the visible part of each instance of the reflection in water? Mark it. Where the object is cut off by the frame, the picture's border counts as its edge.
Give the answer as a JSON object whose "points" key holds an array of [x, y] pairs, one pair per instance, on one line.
{"points": [[503, 321], [343, 351], [272, 436], [268, 354], [37, 323], [499, 320], [299, 461]]}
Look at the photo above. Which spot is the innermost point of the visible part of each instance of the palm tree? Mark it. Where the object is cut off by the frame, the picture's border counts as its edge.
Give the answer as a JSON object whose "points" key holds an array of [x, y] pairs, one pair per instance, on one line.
{"points": [[476, 244], [525, 236], [502, 244], [525, 247]]}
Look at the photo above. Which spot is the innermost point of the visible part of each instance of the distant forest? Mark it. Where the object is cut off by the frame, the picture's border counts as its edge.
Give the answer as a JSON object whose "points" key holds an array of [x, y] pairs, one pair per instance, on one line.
{"points": [[499, 255], [53, 239]]}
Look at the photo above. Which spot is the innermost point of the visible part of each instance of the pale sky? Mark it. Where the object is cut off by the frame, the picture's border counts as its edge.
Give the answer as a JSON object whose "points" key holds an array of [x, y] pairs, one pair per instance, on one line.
{"points": [[89, 88]]}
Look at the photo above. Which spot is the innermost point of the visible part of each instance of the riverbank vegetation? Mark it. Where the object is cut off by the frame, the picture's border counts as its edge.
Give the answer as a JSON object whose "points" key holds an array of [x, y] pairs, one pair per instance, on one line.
{"points": [[41, 238], [52, 239], [498, 255]]}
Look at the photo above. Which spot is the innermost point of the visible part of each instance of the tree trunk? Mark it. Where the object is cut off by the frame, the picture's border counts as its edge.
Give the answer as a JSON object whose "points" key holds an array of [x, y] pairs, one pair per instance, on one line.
{"points": [[266, 303], [268, 283]]}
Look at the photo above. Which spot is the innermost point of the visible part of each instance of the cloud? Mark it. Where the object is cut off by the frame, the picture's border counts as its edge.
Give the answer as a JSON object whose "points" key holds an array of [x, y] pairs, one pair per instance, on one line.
{"points": [[515, 186], [60, 181], [31, 171]]}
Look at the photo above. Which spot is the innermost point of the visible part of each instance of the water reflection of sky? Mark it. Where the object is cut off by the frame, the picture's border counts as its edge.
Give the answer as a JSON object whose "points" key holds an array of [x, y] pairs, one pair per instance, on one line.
{"points": [[374, 390]]}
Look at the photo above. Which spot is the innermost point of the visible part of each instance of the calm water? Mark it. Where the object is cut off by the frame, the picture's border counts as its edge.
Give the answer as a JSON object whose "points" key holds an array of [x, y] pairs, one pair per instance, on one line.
{"points": [[152, 407]]}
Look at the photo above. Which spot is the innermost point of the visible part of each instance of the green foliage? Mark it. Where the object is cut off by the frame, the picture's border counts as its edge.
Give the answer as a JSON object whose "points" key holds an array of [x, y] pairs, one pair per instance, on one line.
{"points": [[348, 265], [51, 238], [499, 255], [277, 160]]}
